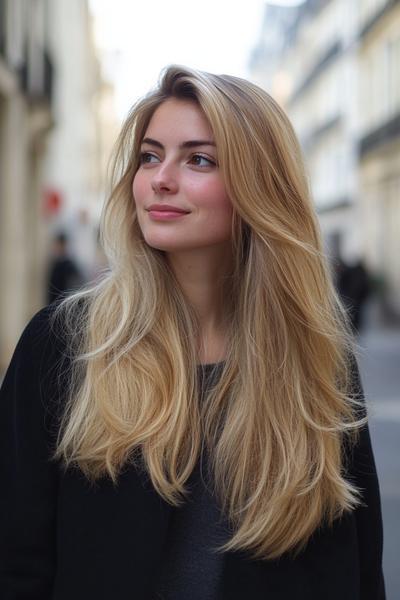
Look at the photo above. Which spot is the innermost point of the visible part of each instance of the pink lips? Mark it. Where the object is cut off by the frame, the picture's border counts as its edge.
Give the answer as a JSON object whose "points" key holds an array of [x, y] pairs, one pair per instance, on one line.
{"points": [[165, 212]]}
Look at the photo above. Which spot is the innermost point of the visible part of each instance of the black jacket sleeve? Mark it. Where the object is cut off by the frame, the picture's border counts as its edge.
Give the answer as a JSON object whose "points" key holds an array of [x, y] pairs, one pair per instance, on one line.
{"points": [[28, 475], [368, 514]]}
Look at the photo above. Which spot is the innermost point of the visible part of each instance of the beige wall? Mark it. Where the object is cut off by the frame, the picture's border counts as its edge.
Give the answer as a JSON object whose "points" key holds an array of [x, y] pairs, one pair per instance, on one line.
{"points": [[22, 233], [14, 221]]}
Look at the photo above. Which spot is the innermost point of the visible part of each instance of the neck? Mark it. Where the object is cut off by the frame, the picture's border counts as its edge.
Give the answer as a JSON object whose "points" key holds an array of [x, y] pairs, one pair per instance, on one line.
{"points": [[202, 275]]}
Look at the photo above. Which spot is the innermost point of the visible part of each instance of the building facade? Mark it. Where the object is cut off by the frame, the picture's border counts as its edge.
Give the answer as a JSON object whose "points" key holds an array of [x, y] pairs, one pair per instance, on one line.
{"points": [[26, 83], [336, 71], [55, 115], [72, 166], [379, 143]]}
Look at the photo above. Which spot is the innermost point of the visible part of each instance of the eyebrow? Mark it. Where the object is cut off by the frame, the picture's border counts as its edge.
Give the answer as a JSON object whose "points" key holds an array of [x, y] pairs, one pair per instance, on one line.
{"points": [[188, 144]]}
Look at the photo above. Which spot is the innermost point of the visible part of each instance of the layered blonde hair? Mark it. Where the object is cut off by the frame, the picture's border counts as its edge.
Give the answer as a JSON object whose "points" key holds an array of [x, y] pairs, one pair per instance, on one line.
{"points": [[276, 422]]}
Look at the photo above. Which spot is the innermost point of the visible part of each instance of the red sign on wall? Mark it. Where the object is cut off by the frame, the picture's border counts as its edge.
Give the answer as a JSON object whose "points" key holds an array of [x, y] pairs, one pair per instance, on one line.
{"points": [[52, 202]]}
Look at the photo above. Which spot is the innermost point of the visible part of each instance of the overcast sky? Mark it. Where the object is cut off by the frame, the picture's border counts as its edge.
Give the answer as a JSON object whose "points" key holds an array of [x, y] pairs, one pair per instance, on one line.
{"points": [[140, 37]]}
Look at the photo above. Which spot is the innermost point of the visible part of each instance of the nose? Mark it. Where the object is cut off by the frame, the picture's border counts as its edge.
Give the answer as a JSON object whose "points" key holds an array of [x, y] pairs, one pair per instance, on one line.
{"points": [[165, 179]]}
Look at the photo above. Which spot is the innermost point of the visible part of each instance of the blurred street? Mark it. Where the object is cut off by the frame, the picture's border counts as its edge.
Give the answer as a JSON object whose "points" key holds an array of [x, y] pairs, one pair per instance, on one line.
{"points": [[379, 362]]}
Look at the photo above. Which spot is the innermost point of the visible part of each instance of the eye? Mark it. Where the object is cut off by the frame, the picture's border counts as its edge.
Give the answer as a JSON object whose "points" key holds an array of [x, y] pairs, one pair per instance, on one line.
{"points": [[201, 161], [148, 158]]}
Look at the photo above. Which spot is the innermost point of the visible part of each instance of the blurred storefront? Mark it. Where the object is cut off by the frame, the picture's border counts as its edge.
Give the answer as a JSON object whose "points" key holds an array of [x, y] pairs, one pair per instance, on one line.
{"points": [[335, 67]]}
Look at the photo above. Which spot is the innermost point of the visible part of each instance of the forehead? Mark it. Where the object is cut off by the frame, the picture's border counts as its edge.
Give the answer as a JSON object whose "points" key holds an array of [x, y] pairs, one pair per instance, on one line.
{"points": [[176, 118]]}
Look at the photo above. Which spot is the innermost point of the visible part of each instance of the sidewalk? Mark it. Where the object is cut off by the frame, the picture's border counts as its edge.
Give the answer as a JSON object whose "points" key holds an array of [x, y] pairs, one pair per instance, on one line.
{"points": [[379, 361]]}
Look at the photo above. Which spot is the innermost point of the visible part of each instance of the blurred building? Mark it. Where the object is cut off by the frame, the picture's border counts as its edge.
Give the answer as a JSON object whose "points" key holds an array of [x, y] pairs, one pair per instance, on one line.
{"points": [[54, 137], [77, 145], [314, 78], [379, 141], [333, 65], [26, 84], [267, 56]]}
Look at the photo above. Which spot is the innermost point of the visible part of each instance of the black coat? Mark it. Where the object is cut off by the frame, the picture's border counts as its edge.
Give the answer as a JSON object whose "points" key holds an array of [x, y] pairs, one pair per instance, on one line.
{"points": [[64, 539]]}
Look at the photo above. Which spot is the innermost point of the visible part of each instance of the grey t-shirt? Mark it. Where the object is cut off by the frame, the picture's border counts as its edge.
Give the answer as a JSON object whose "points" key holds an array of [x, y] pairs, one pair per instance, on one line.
{"points": [[191, 566]]}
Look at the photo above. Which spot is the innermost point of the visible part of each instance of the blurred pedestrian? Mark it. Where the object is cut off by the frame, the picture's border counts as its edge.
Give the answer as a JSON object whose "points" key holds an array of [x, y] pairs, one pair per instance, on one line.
{"points": [[354, 287], [64, 274], [192, 425]]}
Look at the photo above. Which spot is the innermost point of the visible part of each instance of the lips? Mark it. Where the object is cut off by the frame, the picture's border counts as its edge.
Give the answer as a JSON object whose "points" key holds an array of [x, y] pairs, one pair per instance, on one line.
{"points": [[166, 208], [166, 212]]}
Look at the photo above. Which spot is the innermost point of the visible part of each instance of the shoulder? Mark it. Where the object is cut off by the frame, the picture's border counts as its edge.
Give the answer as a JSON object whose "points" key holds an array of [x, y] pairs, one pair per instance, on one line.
{"points": [[43, 338], [53, 330], [37, 376]]}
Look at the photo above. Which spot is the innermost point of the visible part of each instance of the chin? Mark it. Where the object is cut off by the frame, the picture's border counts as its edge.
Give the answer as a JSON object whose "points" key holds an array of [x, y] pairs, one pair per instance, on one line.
{"points": [[164, 245], [174, 244]]}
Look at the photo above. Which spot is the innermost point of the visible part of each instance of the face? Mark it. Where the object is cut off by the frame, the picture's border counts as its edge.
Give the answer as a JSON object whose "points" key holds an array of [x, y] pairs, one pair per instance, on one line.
{"points": [[178, 189]]}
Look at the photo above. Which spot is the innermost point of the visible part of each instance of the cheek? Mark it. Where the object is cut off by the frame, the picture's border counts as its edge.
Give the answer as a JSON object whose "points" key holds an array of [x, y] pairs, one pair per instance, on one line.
{"points": [[218, 211], [221, 207], [138, 189], [213, 196]]}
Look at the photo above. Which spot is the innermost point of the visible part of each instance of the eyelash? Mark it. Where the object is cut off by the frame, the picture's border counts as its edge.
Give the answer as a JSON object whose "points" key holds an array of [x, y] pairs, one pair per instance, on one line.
{"points": [[209, 160], [145, 155]]}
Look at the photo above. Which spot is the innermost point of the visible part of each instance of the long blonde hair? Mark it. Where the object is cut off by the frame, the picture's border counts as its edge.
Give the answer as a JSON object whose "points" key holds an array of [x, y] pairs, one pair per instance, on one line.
{"points": [[276, 422]]}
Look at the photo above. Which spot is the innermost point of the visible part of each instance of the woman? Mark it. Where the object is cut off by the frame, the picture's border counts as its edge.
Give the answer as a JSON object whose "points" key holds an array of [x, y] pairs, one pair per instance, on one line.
{"points": [[192, 425]]}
